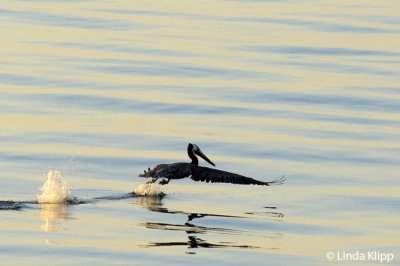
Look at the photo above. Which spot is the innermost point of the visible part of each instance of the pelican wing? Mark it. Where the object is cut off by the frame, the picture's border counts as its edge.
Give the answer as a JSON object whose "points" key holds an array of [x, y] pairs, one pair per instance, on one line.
{"points": [[173, 171], [205, 174], [154, 172]]}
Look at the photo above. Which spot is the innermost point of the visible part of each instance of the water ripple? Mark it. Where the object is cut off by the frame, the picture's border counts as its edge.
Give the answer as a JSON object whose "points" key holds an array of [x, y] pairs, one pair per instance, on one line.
{"points": [[316, 25], [320, 51], [73, 21]]}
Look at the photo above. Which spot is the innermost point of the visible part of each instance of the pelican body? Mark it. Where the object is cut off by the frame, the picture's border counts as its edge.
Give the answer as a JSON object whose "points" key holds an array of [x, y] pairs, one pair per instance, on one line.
{"points": [[166, 172]]}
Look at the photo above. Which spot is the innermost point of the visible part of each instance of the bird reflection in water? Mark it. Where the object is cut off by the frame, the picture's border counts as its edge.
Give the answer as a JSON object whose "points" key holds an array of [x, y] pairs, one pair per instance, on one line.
{"points": [[155, 204]]}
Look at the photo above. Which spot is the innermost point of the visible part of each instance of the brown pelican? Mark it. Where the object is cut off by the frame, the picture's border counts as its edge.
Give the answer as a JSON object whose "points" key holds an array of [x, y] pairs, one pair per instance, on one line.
{"points": [[166, 172]]}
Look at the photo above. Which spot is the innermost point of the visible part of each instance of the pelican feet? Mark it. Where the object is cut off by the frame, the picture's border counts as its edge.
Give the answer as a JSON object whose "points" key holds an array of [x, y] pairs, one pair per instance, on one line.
{"points": [[163, 181], [153, 180]]}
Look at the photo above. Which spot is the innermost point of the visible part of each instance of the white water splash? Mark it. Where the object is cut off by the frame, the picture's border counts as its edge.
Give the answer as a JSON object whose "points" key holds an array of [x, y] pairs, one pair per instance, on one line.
{"points": [[151, 189], [55, 189]]}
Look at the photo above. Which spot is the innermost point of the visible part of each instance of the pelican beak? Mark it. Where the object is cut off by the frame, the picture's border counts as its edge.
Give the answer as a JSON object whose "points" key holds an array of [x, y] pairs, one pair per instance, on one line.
{"points": [[202, 155]]}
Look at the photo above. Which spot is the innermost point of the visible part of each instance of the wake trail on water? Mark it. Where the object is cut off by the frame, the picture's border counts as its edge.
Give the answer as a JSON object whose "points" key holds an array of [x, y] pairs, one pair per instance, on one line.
{"points": [[56, 190]]}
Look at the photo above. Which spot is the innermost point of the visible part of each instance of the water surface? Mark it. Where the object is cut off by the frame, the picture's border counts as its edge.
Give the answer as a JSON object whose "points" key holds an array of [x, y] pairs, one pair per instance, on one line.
{"points": [[101, 90]]}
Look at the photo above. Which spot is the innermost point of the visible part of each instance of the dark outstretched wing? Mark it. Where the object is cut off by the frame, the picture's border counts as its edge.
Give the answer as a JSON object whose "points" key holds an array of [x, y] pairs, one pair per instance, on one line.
{"points": [[172, 171], [205, 174], [153, 172]]}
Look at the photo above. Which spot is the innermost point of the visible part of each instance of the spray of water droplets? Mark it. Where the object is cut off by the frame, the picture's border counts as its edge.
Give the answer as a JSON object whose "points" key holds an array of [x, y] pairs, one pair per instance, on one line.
{"points": [[55, 189], [151, 189]]}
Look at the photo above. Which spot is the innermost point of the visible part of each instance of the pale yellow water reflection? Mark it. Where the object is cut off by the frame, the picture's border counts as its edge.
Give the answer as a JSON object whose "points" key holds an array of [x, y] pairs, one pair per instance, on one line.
{"points": [[101, 90], [53, 216]]}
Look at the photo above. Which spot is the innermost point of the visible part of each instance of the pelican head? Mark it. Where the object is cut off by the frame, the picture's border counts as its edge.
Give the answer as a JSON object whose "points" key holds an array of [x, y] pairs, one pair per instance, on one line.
{"points": [[194, 150]]}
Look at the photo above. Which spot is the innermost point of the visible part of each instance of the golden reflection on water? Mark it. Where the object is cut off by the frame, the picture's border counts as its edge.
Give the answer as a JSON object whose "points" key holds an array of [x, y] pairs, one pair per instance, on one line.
{"points": [[54, 216]]}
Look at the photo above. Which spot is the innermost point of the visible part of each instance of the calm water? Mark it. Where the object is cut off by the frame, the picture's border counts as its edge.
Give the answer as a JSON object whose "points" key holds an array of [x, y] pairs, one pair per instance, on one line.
{"points": [[101, 90]]}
